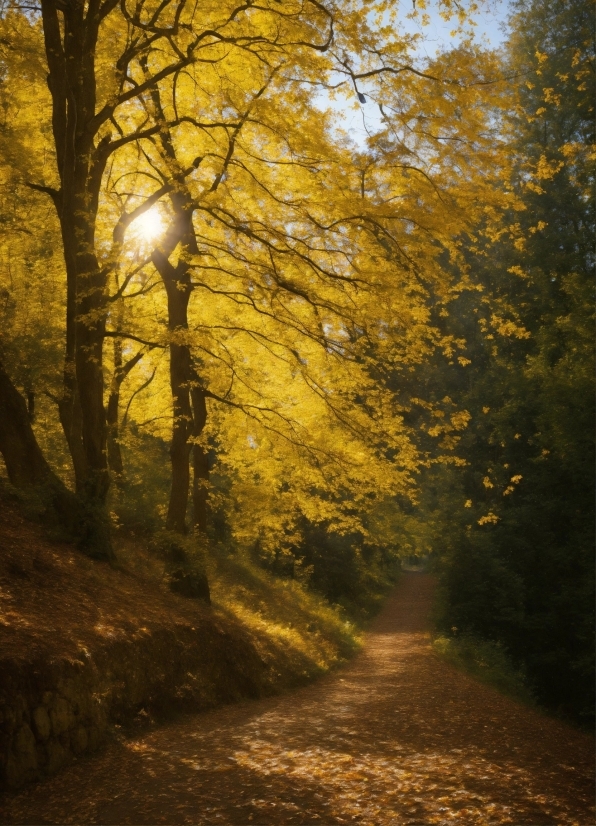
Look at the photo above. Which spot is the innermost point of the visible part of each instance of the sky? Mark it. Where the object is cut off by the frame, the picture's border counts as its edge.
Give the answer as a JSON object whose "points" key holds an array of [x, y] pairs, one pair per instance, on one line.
{"points": [[489, 20], [489, 31]]}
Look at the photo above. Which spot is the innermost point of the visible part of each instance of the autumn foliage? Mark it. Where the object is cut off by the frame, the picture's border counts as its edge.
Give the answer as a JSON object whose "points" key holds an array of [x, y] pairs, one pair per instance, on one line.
{"points": [[223, 317]]}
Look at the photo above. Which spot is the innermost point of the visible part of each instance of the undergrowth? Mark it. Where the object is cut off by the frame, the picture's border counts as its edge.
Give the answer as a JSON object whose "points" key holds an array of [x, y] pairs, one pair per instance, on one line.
{"points": [[316, 623], [284, 609], [314, 635], [487, 661]]}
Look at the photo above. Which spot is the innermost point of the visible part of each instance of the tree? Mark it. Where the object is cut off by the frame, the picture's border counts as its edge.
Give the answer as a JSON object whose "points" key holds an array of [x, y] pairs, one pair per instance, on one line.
{"points": [[26, 465], [518, 562], [300, 258]]}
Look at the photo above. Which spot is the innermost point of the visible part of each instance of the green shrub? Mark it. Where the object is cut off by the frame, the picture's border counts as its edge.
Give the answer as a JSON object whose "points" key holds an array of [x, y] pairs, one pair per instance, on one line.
{"points": [[485, 660]]}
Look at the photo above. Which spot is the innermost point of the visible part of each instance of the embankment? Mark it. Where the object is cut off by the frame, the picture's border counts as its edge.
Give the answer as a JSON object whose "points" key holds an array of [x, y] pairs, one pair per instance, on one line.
{"points": [[85, 648]]}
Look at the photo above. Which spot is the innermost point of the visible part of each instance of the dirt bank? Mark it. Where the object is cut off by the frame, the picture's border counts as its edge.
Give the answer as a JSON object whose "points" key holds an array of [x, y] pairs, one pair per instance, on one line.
{"points": [[85, 648]]}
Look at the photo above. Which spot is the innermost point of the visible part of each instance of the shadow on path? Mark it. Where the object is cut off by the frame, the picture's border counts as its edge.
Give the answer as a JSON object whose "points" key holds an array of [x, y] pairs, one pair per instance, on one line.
{"points": [[397, 736]]}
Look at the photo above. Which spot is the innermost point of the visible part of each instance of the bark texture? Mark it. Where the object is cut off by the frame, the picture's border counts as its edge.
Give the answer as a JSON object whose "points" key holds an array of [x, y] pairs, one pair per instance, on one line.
{"points": [[70, 35]]}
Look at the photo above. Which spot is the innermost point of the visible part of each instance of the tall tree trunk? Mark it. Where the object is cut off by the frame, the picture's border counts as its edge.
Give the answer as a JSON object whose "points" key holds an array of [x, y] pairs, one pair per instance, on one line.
{"points": [[181, 430], [89, 338], [70, 36], [177, 284], [71, 419], [188, 398], [83, 406], [69, 406], [189, 408]]}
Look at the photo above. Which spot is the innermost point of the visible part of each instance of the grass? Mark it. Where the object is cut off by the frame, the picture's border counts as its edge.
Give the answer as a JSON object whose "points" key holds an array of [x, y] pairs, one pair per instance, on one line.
{"points": [[298, 632], [310, 635], [283, 609]]}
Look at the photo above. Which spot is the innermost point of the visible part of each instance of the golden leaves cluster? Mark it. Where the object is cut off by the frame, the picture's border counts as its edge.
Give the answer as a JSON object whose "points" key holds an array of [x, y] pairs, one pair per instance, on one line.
{"points": [[318, 264]]}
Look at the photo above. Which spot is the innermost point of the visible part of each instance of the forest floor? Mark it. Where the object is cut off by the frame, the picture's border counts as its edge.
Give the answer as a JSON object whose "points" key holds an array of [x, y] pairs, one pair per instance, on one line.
{"points": [[395, 737]]}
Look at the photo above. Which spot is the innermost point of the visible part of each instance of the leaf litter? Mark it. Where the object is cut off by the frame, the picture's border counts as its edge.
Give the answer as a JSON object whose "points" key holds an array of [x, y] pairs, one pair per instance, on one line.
{"points": [[397, 737]]}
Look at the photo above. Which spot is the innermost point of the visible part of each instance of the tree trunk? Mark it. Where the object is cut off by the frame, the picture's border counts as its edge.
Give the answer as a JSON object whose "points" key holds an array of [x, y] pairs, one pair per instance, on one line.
{"points": [[25, 463], [177, 283], [71, 419], [82, 408], [188, 400], [190, 415], [189, 408], [69, 406], [181, 430], [89, 338], [70, 36]]}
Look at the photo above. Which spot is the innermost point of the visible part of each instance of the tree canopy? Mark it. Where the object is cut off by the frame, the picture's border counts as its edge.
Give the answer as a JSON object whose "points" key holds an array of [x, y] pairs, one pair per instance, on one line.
{"points": [[335, 341]]}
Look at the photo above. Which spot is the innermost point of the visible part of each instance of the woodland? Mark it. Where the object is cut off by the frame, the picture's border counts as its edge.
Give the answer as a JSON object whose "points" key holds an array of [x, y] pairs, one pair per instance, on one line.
{"points": [[227, 327]]}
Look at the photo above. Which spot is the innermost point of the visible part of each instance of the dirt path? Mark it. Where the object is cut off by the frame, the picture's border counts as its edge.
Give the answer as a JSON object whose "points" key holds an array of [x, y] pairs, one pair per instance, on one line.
{"points": [[397, 737]]}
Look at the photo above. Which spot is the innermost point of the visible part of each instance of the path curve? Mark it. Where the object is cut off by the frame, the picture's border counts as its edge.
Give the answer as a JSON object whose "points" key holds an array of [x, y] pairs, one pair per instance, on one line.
{"points": [[396, 737]]}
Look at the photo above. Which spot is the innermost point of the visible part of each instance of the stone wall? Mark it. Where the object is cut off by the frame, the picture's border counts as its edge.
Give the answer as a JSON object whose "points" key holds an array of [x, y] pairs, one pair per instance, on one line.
{"points": [[53, 712]]}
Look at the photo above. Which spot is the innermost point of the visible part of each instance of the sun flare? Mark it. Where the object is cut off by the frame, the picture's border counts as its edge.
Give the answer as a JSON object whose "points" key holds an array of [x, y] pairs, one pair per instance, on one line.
{"points": [[149, 225]]}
